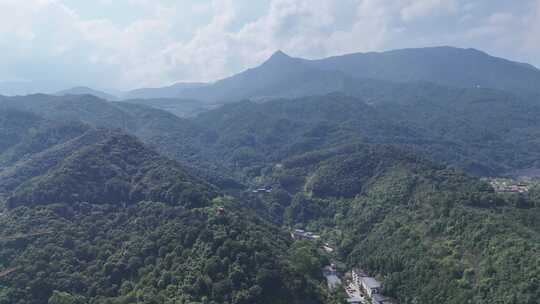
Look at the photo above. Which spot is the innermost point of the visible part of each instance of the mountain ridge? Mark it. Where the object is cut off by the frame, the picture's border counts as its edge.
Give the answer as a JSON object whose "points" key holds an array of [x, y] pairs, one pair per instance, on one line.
{"points": [[290, 77], [81, 90]]}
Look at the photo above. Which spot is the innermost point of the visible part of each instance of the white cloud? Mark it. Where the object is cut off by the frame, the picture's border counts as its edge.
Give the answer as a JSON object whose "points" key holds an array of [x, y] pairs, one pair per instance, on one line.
{"points": [[531, 42], [421, 8], [148, 51]]}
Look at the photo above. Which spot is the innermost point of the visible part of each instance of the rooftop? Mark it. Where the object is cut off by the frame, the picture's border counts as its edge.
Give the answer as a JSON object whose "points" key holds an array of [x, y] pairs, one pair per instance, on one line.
{"points": [[354, 300], [371, 282]]}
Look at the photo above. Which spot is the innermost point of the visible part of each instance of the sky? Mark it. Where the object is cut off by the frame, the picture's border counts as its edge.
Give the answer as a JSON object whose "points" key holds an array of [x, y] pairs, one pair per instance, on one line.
{"points": [[126, 44]]}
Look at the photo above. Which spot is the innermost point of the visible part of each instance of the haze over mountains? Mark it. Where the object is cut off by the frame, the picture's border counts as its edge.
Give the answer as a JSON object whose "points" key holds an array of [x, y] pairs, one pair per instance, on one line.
{"points": [[285, 76], [282, 76], [389, 157]]}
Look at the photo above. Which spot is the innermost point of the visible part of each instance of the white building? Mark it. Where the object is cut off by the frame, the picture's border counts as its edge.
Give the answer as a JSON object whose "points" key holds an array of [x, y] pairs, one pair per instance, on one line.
{"points": [[368, 284]]}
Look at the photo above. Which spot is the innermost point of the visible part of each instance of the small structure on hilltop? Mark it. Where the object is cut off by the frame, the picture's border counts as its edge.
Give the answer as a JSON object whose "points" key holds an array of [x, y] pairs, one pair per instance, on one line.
{"points": [[327, 248], [266, 189], [299, 234]]}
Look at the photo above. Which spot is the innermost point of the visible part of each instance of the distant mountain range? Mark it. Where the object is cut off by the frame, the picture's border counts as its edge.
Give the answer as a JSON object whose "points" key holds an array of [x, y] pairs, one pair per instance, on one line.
{"points": [[285, 76], [288, 77], [172, 91]]}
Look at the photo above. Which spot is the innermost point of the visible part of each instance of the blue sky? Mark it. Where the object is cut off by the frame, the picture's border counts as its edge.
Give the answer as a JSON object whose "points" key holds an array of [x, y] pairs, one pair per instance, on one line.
{"points": [[124, 44]]}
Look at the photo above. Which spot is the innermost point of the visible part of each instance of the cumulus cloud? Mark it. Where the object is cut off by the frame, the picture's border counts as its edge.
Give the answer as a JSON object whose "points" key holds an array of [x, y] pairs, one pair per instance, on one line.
{"points": [[421, 8], [149, 50]]}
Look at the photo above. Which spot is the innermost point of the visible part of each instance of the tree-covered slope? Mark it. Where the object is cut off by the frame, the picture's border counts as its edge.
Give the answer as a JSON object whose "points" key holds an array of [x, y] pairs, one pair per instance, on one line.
{"points": [[345, 166], [102, 218], [112, 167], [166, 133], [149, 253], [431, 234], [486, 132], [24, 134], [437, 237]]}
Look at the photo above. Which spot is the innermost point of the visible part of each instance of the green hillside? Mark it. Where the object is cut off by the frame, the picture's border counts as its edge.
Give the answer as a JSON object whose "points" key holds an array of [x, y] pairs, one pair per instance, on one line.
{"points": [[117, 168], [102, 218], [149, 253], [431, 234], [115, 202]]}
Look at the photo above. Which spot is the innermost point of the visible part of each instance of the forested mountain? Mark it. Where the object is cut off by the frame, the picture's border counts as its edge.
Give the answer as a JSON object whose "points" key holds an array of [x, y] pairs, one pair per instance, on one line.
{"points": [[486, 132], [483, 131], [279, 76], [467, 68], [433, 234], [23, 134], [285, 76], [179, 107], [126, 202], [114, 167], [101, 218]]}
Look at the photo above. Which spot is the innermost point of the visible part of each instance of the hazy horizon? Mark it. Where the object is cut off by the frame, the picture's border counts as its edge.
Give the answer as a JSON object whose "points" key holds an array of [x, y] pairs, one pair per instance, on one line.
{"points": [[128, 44]]}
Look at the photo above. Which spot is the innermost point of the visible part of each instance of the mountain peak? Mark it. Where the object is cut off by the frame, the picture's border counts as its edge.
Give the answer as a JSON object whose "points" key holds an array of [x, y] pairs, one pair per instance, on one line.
{"points": [[279, 57]]}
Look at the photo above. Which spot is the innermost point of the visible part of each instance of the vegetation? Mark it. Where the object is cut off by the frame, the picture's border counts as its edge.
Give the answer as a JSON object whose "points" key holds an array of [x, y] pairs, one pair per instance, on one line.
{"points": [[93, 215], [151, 253], [432, 234], [117, 169]]}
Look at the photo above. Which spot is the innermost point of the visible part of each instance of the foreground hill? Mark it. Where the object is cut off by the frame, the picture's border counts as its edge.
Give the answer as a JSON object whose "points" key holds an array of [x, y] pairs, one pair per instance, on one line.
{"points": [[151, 253], [101, 218], [114, 167]]}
